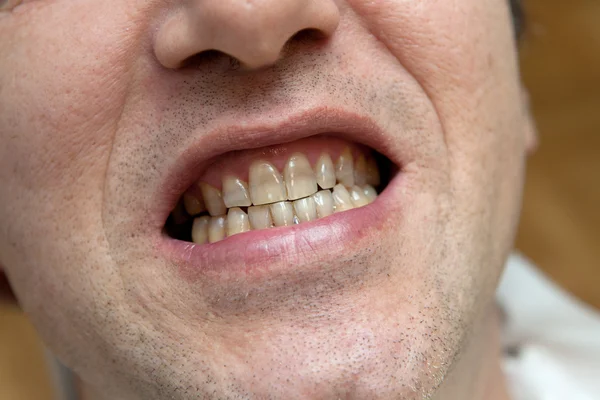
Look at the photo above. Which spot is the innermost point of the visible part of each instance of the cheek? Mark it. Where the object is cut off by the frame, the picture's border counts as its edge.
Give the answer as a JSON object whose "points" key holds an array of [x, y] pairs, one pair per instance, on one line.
{"points": [[62, 92]]}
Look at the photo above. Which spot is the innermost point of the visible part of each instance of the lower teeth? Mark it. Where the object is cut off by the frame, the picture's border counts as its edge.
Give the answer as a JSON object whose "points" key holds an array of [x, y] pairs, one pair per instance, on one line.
{"points": [[209, 229]]}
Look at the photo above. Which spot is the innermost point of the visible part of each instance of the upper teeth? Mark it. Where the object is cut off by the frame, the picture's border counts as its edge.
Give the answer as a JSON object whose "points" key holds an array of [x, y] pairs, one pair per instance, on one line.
{"points": [[267, 193]]}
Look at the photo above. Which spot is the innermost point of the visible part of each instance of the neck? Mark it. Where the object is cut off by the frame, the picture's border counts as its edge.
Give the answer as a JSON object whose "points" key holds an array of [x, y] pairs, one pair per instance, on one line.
{"points": [[476, 376]]}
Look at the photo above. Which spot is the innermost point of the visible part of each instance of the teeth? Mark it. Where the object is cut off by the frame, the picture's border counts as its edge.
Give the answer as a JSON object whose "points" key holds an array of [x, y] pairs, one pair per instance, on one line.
{"points": [[266, 184], [260, 218], [341, 198], [299, 177], [324, 203], [213, 200], [373, 178], [272, 200], [370, 192], [306, 209], [237, 221], [358, 196], [344, 169], [283, 213], [360, 171], [325, 172], [235, 192], [192, 204], [216, 228], [200, 229]]}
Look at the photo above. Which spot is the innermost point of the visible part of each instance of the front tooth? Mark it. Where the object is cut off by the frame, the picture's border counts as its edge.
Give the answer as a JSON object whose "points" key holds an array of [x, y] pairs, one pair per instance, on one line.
{"points": [[341, 198], [200, 229], [299, 177], [237, 221], [358, 197], [370, 192], [324, 203], [373, 178], [266, 184], [216, 228], [235, 192], [325, 172], [360, 171], [306, 210], [344, 168], [260, 218], [213, 199], [283, 213], [193, 205]]}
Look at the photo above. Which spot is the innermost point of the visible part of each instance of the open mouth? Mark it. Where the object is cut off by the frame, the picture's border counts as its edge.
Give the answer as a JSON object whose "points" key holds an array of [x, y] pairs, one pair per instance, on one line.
{"points": [[278, 186]]}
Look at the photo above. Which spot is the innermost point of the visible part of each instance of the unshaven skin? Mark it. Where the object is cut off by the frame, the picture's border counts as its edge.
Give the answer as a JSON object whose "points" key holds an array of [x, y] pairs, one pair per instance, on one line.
{"points": [[111, 110]]}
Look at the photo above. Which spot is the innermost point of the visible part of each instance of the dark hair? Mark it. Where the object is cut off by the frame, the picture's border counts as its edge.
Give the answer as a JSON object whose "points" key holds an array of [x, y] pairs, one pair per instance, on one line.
{"points": [[518, 17]]}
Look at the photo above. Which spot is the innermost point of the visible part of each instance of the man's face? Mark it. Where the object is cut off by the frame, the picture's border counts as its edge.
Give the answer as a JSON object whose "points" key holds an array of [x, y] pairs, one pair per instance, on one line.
{"points": [[111, 110]]}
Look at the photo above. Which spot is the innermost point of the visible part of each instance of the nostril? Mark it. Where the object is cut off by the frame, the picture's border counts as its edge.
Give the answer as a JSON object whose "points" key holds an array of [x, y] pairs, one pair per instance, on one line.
{"points": [[211, 58], [309, 34]]}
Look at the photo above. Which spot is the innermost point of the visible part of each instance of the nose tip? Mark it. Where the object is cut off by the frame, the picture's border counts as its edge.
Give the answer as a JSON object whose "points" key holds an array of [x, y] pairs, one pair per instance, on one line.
{"points": [[252, 31]]}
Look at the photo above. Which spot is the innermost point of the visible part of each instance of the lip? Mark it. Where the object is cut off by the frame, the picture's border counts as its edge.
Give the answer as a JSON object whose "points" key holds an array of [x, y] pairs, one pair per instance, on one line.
{"points": [[253, 253]]}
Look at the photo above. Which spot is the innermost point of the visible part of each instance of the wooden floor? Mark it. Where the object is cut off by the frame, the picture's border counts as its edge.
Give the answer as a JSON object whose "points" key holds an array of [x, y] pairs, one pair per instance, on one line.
{"points": [[560, 227]]}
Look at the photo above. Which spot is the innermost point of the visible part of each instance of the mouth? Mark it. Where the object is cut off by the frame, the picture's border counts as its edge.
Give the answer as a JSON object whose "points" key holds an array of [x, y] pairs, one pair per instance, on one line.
{"points": [[278, 186], [284, 189]]}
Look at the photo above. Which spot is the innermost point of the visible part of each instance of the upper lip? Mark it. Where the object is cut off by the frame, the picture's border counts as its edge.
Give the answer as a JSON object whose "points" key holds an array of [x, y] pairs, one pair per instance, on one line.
{"points": [[191, 162]]}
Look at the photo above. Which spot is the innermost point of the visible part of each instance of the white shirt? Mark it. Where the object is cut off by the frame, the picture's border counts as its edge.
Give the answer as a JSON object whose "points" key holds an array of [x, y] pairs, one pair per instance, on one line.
{"points": [[553, 339]]}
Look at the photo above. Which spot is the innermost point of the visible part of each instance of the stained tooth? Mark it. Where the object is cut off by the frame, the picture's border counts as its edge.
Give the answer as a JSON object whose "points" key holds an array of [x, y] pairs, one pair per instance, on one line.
{"points": [[266, 184], [213, 200], [341, 198], [237, 221], [179, 214], [216, 228], [260, 218], [299, 177], [344, 168], [358, 197], [360, 171], [373, 178], [200, 229], [235, 192], [193, 205], [324, 203], [306, 209], [282, 213], [370, 192], [325, 172]]}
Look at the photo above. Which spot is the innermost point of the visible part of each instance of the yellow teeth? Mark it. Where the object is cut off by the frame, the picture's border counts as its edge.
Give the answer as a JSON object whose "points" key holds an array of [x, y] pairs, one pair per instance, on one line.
{"points": [[200, 229], [325, 172], [282, 213], [324, 203], [260, 217], [266, 184], [299, 177], [237, 221], [360, 171], [193, 205], [303, 193], [344, 170], [213, 200], [373, 178], [306, 209], [235, 192], [341, 198], [216, 229], [358, 197]]}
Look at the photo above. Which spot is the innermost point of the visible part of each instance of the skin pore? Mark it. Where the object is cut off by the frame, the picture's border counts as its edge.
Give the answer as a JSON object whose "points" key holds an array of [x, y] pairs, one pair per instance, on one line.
{"points": [[100, 102]]}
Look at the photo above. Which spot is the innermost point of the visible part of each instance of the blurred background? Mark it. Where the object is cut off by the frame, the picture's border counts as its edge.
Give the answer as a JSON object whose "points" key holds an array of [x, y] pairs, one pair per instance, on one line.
{"points": [[560, 227]]}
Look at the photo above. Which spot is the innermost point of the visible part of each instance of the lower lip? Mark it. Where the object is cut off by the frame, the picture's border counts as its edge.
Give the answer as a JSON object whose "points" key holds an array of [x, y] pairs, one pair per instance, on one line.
{"points": [[260, 253]]}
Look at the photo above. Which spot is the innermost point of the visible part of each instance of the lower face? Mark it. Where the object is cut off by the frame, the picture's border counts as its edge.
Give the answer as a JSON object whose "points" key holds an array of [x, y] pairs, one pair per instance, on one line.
{"points": [[117, 240]]}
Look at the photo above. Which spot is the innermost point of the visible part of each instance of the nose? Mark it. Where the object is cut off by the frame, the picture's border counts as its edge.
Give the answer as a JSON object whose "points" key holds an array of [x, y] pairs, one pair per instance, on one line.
{"points": [[251, 31]]}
